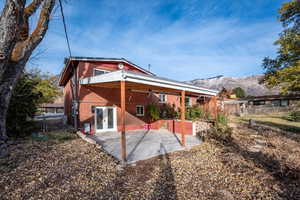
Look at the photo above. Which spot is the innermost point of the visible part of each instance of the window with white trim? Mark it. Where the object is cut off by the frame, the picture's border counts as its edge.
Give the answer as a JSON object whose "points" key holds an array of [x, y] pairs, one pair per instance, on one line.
{"points": [[140, 110], [97, 72], [162, 98], [188, 101]]}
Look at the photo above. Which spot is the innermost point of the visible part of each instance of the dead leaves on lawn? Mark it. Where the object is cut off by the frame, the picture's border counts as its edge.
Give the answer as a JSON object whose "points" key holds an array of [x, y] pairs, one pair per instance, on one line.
{"points": [[74, 169]]}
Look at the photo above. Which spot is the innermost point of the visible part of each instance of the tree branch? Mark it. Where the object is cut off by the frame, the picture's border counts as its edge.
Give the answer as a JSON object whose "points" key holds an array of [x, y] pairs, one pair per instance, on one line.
{"points": [[31, 8], [10, 21], [23, 49], [43, 22]]}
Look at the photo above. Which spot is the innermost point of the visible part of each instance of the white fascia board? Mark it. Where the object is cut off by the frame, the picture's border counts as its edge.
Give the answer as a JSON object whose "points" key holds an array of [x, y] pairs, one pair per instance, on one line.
{"points": [[156, 81], [114, 60], [171, 86], [147, 80], [104, 78]]}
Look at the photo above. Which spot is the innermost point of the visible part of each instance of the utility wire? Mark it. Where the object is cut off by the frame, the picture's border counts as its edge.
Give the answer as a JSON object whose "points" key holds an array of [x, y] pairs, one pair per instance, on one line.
{"points": [[70, 53], [65, 27]]}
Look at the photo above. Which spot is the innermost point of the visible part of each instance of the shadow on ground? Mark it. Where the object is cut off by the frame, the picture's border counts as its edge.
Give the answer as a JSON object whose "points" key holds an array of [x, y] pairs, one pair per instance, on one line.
{"points": [[165, 186]]}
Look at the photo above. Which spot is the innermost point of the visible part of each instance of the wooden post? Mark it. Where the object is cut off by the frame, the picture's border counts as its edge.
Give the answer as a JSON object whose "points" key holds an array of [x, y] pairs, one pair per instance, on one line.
{"points": [[182, 117], [123, 125], [215, 106]]}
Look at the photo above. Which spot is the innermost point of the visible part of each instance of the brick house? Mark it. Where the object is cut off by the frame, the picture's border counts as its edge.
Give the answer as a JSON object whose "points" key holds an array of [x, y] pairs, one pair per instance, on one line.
{"points": [[112, 94]]}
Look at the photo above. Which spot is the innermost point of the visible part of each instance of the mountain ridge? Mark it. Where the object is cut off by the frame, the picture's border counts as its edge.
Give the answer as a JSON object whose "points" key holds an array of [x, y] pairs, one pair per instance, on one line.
{"points": [[250, 84]]}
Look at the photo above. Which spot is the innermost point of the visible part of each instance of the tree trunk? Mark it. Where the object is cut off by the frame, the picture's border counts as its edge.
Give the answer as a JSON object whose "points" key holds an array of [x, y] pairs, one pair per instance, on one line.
{"points": [[11, 74], [16, 46]]}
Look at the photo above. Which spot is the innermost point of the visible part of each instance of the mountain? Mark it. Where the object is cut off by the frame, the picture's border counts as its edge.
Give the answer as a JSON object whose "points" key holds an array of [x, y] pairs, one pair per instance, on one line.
{"points": [[249, 83]]}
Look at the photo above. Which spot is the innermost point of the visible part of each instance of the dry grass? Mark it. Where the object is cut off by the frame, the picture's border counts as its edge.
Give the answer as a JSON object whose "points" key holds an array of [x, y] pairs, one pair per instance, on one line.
{"points": [[276, 120], [74, 169]]}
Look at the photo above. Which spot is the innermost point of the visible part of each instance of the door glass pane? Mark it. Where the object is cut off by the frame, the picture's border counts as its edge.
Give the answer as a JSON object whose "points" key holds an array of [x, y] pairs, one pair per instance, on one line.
{"points": [[110, 118], [99, 118]]}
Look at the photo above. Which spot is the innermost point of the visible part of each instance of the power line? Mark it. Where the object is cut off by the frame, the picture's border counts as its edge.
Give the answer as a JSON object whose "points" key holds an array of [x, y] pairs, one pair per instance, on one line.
{"points": [[74, 68], [65, 27]]}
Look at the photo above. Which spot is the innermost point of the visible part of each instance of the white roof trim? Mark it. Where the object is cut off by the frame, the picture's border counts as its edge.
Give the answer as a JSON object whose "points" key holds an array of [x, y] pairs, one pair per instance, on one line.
{"points": [[146, 79], [111, 60]]}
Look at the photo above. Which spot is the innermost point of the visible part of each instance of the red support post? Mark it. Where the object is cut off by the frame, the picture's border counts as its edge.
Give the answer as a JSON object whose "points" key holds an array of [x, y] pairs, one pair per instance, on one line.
{"points": [[182, 122], [123, 124]]}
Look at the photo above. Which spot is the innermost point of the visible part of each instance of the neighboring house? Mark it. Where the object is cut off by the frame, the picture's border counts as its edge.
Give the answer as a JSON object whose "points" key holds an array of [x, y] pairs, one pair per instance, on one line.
{"points": [[274, 101], [261, 104], [112, 94], [52, 108]]}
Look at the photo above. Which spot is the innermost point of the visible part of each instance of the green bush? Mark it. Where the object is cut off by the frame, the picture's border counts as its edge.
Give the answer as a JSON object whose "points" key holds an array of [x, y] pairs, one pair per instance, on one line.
{"points": [[22, 107], [294, 116], [221, 131], [222, 119], [153, 112], [195, 112], [168, 111], [32, 89]]}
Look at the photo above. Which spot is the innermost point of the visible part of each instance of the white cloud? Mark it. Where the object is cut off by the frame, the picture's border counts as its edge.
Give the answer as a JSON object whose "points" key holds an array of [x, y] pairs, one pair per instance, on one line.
{"points": [[182, 49]]}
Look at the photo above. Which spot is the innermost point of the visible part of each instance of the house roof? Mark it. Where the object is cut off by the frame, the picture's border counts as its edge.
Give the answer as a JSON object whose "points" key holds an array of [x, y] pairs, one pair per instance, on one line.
{"points": [[75, 59], [272, 97], [145, 80], [52, 105]]}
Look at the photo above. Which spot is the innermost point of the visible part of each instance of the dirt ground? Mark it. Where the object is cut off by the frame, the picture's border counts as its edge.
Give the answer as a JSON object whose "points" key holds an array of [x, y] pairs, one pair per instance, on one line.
{"points": [[256, 164]]}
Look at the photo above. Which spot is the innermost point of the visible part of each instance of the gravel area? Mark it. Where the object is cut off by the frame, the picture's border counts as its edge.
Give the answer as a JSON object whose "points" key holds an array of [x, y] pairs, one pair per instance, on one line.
{"points": [[74, 169]]}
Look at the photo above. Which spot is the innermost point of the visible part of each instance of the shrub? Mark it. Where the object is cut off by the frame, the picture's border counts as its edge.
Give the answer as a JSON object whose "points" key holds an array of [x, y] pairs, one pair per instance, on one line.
{"points": [[222, 119], [221, 131], [153, 112], [294, 116], [168, 111], [32, 89], [22, 107], [195, 112]]}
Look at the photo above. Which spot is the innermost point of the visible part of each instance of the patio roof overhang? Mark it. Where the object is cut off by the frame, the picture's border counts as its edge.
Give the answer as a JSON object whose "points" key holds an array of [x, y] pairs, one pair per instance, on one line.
{"points": [[143, 82], [124, 79]]}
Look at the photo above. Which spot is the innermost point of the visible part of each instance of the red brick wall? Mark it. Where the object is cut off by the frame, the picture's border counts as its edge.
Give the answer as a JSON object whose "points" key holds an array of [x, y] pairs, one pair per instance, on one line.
{"points": [[86, 68], [68, 102], [96, 96], [92, 96], [173, 126]]}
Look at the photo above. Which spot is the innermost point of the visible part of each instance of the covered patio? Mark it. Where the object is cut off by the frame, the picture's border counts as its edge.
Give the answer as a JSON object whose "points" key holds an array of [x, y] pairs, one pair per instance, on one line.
{"points": [[143, 144], [147, 140]]}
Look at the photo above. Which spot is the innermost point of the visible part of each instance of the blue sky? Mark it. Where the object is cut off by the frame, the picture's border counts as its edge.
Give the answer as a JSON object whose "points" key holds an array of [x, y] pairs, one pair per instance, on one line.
{"points": [[181, 39]]}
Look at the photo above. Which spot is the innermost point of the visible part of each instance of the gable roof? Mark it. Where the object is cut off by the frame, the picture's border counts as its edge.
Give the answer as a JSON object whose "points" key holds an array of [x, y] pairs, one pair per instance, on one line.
{"points": [[76, 59]]}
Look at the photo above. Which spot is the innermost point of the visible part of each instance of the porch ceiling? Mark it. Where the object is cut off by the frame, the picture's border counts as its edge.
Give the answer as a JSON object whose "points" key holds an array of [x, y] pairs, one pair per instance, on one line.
{"points": [[141, 82]]}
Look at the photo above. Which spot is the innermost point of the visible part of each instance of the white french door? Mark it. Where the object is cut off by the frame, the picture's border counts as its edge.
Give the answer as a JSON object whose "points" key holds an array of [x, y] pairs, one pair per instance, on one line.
{"points": [[105, 119]]}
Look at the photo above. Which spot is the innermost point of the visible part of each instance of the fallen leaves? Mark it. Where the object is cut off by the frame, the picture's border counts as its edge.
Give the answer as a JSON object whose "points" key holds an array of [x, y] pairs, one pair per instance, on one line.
{"points": [[74, 169]]}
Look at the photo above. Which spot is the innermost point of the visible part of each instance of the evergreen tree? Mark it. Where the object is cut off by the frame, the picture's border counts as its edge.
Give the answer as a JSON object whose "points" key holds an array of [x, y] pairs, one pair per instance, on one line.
{"points": [[239, 92], [284, 70]]}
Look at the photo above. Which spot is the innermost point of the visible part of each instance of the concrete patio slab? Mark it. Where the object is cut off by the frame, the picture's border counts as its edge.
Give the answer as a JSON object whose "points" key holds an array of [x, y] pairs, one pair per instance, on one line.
{"points": [[143, 144]]}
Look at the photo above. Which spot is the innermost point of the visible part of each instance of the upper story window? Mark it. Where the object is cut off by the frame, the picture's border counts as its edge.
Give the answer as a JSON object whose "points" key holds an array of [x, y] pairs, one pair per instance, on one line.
{"points": [[162, 98], [97, 72]]}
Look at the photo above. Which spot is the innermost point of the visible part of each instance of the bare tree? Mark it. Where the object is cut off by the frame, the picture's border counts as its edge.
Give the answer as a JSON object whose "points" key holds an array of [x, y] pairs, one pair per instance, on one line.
{"points": [[16, 46]]}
